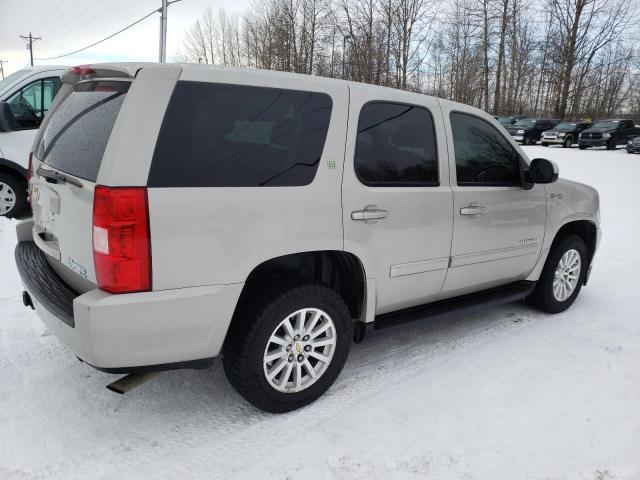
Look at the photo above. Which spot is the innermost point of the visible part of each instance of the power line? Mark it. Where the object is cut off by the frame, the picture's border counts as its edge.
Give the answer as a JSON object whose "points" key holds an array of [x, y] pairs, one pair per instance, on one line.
{"points": [[104, 39]]}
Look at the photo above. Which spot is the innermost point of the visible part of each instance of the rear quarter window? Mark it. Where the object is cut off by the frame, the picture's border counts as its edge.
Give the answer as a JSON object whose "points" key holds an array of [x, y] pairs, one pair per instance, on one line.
{"points": [[76, 135], [220, 135]]}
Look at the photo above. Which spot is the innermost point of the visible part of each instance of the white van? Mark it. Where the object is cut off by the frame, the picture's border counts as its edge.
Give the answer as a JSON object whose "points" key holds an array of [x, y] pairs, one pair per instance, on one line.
{"points": [[25, 97]]}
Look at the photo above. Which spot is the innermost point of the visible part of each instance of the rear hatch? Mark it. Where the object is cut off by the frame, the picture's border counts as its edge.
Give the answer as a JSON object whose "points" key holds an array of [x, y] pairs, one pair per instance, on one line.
{"points": [[65, 166]]}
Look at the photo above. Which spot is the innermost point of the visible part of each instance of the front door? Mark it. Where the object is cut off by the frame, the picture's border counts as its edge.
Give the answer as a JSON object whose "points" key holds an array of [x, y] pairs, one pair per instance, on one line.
{"points": [[498, 225], [397, 203]]}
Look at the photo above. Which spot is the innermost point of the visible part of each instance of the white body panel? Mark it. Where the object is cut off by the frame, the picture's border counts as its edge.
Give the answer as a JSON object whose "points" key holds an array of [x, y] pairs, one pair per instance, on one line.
{"points": [[219, 235], [407, 252]]}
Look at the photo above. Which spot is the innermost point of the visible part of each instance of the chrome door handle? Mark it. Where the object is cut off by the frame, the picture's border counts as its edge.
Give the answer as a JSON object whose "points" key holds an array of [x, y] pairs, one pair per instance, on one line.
{"points": [[472, 209], [370, 212]]}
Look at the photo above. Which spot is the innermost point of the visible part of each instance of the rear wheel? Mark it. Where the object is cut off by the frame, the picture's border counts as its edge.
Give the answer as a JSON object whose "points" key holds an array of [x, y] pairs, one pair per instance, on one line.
{"points": [[286, 348], [567, 142], [562, 276], [13, 196]]}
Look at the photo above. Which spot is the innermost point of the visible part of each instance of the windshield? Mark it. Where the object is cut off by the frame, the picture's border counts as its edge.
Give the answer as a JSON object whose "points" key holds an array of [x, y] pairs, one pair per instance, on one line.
{"points": [[524, 123], [567, 126], [610, 124], [76, 135], [9, 79]]}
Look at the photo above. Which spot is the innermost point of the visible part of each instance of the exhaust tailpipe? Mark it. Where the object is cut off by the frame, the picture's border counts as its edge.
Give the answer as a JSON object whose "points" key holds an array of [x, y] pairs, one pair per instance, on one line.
{"points": [[131, 381]]}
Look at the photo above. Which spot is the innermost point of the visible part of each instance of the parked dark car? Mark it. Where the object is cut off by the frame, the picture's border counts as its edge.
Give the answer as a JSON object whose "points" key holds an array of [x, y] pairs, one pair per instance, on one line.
{"points": [[529, 130], [565, 134], [608, 133], [509, 120], [633, 145]]}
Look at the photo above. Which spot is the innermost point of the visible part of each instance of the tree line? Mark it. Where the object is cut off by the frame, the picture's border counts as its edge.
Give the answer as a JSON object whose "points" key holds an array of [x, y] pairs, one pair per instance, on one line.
{"points": [[561, 58]]}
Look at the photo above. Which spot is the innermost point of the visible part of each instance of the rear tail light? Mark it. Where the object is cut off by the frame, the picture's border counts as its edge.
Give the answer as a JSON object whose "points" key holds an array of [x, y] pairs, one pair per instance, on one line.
{"points": [[121, 244]]}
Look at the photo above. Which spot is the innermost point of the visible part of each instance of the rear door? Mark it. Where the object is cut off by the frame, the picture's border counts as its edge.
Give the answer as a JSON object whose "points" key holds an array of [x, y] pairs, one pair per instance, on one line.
{"points": [[396, 198], [498, 225], [66, 162]]}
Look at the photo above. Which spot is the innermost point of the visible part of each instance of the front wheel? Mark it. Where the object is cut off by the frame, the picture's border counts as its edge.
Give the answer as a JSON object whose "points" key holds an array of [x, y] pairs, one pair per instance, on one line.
{"points": [[582, 147], [562, 276], [567, 143], [611, 144], [286, 348]]}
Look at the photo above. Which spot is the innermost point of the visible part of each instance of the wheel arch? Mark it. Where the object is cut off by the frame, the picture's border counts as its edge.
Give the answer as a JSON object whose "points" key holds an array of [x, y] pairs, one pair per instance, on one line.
{"points": [[12, 168], [342, 271], [585, 229]]}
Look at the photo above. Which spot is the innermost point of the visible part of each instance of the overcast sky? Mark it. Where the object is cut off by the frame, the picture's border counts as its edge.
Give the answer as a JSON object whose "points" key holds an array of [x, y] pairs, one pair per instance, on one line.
{"points": [[67, 25]]}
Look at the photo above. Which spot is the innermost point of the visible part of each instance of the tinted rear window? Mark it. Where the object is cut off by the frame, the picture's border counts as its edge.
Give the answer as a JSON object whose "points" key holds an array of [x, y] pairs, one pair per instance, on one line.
{"points": [[76, 135], [219, 135]]}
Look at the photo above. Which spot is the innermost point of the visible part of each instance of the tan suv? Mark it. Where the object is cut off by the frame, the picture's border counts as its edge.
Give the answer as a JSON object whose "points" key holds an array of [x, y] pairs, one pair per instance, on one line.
{"points": [[186, 212]]}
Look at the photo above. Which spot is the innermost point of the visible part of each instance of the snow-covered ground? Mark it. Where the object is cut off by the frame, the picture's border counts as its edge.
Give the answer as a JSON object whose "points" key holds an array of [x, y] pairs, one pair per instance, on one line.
{"points": [[506, 394]]}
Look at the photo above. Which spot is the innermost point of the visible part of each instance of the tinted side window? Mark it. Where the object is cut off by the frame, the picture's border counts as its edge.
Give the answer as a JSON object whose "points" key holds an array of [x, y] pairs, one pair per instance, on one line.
{"points": [[395, 146], [218, 135], [483, 155]]}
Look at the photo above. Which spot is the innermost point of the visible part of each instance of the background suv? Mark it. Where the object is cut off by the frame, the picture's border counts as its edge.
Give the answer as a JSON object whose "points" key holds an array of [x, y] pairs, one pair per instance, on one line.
{"points": [[25, 97], [565, 134], [608, 133], [182, 213], [529, 130]]}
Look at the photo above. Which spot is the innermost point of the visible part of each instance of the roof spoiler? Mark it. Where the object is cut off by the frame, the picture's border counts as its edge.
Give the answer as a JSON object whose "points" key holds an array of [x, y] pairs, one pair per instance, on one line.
{"points": [[84, 72]]}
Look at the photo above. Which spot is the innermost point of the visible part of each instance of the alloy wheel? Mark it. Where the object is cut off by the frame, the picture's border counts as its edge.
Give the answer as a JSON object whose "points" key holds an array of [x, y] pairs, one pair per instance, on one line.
{"points": [[567, 275], [299, 350]]}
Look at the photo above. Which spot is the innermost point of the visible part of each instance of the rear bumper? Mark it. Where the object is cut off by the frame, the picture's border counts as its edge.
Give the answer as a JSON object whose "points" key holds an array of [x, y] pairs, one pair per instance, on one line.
{"points": [[130, 331]]}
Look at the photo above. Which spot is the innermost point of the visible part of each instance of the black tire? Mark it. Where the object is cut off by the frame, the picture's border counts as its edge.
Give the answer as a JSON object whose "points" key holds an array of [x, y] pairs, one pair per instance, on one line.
{"points": [[526, 140], [251, 329], [582, 147], [545, 144], [10, 183], [542, 296], [567, 143], [611, 144]]}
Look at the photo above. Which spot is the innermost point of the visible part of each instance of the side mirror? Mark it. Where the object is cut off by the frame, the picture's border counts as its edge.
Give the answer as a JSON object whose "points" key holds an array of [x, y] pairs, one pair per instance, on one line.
{"points": [[7, 120], [542, 170]]}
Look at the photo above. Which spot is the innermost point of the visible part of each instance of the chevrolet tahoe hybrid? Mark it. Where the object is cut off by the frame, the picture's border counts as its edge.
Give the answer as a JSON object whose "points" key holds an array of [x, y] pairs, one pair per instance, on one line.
{"points": [[184, 212]]}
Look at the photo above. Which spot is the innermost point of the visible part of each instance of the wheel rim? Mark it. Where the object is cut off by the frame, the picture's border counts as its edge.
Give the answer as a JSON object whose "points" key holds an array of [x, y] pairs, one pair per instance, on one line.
{"points": [[7, 198], [567, 143], [567, 275], [299, 350]]}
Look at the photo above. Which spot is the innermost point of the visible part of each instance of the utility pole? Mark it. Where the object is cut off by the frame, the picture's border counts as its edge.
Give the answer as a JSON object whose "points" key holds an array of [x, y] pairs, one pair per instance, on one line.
{"points": [[2, 62], [163, 29], [31, 39]]}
